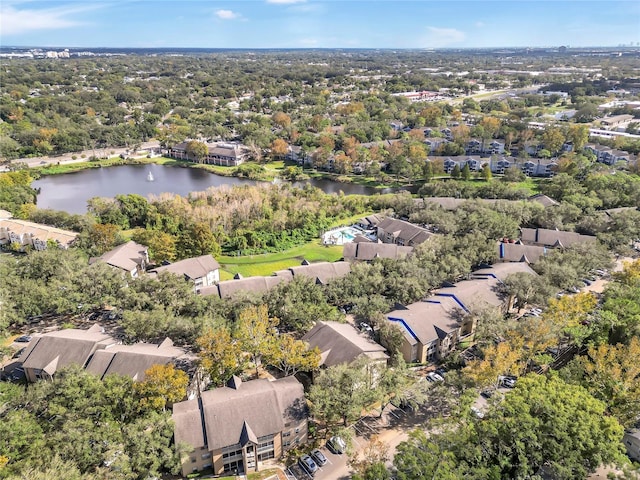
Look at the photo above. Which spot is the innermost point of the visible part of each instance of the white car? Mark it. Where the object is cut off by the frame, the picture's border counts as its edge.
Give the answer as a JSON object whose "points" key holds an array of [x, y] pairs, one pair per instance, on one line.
{"points": [[477, 412], [434, 377]]}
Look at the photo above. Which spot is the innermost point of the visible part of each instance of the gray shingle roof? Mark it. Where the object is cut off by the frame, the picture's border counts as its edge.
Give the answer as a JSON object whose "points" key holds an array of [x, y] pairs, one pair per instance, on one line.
{"points": [[127, 256], [229, 288], [322, 272], [191, 268], [406, 231], [553, 238], [132, 360], [342, 343], [518, 252], [424, 321], [369, 251], [259, 406], [55, 350]]}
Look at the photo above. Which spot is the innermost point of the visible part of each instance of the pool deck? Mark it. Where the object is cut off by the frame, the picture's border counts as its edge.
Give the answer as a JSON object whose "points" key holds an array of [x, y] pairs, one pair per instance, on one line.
{"points": [[342, 235]]}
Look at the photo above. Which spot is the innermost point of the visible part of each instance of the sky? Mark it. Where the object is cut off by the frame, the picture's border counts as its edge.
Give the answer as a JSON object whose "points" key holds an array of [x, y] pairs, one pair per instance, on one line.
{"points": [[319, 24]]}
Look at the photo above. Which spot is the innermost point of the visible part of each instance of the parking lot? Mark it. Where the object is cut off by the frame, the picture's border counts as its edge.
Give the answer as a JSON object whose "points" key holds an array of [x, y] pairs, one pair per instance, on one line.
{"points": [[392, 428]]}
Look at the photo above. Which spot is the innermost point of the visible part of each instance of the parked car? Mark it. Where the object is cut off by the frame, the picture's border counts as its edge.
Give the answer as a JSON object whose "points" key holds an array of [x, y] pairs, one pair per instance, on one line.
{"points": [[336, 445], [365, 327], [24, 339], [509, 382], [477, 412], [441, 371], [486, 394], [308, 465], [434, 377], [318, 457]]}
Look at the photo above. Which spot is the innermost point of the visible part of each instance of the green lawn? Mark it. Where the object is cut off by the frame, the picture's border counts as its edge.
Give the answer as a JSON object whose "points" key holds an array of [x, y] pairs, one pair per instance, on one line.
{"points": [[109, 162], [255, 265]]}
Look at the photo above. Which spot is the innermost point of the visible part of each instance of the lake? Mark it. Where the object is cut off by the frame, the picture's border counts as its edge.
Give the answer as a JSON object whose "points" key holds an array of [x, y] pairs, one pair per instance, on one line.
{"points": [[70, 191]]}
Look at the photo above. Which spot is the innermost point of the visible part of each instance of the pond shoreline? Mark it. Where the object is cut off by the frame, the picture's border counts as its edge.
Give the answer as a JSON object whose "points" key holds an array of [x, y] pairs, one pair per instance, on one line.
{"points": [[268, 174]]}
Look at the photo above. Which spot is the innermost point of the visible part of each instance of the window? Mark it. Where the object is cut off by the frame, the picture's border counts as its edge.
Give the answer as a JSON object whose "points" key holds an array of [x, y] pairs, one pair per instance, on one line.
{"points": [[232, 452], [234, 466], [193, 460], [266, 456], [297, 429], [265, 446], [286, 434], [206, 455]]}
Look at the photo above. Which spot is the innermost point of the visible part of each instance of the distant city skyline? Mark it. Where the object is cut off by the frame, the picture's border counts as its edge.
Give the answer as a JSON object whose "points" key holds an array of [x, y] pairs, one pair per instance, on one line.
{"points": [[318, 24]]}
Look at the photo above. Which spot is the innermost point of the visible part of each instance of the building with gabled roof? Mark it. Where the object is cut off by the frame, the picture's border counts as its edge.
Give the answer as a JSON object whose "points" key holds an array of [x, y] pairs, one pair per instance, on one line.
{"points": [[133, 360], [552, 238], [431, 328], [219, 153], [342, 343], [130, 257], [367, 251], [47, 354], [241, 427], [519, 252], [237, 286], [202, 271], [320, 272], [32, 235], [543, 200], [392, 230]]}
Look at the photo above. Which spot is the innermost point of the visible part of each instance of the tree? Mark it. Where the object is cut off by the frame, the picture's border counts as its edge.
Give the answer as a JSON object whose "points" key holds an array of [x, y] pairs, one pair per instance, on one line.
{"points": [[569, 314], [100, 238], [256, 332], [553, 139], [279, 148], [486, 173], [497, 360], [611, 375], [571, 434], [578, 135], [298, 304], [455, 173], [370, 464], [401, 385], [196, 240], [162, 386], [220, 354], [291, 356], [281, 119], [162, 245], [465, 173], [341, 392], [197, 150], [526, 289]]}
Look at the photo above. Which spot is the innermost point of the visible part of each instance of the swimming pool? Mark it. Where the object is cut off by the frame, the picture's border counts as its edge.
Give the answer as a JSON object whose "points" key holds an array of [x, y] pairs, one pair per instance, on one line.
{"points": [[340, 236]]}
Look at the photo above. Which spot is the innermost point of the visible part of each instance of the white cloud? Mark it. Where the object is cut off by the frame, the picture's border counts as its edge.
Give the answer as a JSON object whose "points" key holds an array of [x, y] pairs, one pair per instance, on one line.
{"points": [[479, 24], [437, 37], [285, 2], [227, 14], [14, 21]]}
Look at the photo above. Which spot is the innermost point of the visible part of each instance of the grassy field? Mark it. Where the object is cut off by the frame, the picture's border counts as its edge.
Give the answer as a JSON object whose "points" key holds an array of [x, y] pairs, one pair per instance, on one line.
{"points": [[254, 265], [109, 162]]}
